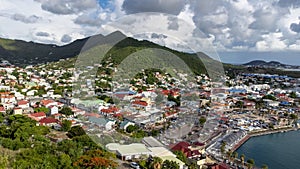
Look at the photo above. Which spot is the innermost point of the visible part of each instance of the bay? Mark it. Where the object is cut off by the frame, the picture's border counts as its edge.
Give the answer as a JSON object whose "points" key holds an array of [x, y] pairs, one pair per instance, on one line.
{"points": [[278, 151]]}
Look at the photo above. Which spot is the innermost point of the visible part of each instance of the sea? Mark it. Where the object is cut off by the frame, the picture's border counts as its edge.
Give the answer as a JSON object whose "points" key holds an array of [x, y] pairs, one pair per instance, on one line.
{"points": [[278, 151], [290, 58]]}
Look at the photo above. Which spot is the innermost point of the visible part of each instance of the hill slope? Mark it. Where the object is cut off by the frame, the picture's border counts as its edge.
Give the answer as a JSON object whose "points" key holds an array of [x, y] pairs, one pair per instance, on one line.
{"points": [[23, 53], [264, 63]]}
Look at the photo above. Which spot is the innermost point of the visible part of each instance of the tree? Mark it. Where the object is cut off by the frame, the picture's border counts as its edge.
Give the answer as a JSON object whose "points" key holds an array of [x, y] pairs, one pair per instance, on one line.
{"points": [[222, 148], [293, 116], [176, 100], [66, 125], [3, 162], [170, 164], [131, 128], [202, 121], [240, 104], [242, 157], [293, 95], [154, 133], [1, 117], [42, 109], [235, 155], [58, 91], [271, 125], [259, 104], [65, 161], [270, 97], [250, 163], [156, 163], [76, 131], [66, 111], [264, 166], [143, 164], [193, 165], [95, 159], [180, 155]]}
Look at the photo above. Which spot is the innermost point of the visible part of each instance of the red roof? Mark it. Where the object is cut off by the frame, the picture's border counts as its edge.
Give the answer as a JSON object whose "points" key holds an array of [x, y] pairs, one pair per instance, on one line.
{"points": [[39, 114], [48, 120], [165, 92], [45, 102], [22, 102], [140, 103], [281, 95], [198, 144], [118, 115], [181, 146], [169, 113], [110, 110], [184, 147], [195, 153], [225, 119]]}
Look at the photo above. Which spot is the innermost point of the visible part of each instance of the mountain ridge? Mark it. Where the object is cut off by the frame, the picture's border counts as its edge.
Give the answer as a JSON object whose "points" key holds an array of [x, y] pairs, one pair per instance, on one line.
{"points": [[22, 53], [264, 63]]}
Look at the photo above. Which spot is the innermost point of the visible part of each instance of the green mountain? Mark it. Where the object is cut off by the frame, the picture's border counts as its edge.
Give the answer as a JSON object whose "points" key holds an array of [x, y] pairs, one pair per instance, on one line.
{"points": [[23, 53]]}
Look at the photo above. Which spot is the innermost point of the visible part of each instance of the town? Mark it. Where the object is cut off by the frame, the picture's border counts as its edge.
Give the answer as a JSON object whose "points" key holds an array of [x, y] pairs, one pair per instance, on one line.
{"points": [[154, 116]]}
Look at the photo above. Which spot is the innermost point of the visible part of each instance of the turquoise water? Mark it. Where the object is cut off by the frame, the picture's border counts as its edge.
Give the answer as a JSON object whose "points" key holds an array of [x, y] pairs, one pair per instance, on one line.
{"points": [[278, 151]]}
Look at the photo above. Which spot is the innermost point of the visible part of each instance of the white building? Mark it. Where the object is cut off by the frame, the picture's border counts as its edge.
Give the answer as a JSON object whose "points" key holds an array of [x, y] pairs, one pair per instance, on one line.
{"points": [[53, 110], [129, 152]]}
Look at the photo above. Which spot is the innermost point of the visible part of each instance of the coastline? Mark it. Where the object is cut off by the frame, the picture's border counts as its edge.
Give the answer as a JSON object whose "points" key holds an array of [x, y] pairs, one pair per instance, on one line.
{"points": [[261, 133]]}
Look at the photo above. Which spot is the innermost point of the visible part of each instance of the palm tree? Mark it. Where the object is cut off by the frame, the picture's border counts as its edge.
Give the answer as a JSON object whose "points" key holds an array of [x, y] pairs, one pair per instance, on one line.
{"points": [[235, 155], [156, 163], [250, 163], [264, 166], [223, 146], [229, 154], [242, 157]]}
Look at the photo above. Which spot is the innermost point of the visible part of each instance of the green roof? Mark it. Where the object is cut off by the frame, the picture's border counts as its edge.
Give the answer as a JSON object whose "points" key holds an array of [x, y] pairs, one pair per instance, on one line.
{"points": [[99, 121]]}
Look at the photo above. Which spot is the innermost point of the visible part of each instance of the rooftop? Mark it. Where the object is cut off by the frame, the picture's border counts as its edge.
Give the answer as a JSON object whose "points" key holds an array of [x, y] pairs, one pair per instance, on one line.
{"points": [[134, 148]]}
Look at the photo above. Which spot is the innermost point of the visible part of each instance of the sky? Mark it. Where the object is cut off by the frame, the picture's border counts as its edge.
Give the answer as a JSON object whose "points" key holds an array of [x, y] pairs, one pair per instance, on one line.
{"points": [[237, 29]]}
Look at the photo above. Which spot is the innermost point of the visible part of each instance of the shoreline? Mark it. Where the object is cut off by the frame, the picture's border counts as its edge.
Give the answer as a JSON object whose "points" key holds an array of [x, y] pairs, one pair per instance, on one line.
{"points": [[261, 133]]}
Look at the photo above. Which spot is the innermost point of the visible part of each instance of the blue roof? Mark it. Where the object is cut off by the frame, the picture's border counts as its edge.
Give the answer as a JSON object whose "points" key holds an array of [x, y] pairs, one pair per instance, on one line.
{"points": [[126, 92], [284, 103], [237, 90]]}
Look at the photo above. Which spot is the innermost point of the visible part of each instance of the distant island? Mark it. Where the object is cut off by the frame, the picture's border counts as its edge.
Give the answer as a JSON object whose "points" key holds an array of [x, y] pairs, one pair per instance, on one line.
{"points": [[272, 64]]}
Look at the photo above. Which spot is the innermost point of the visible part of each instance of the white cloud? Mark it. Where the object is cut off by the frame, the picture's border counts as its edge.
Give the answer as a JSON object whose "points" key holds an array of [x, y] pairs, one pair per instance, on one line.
{"points": [[271, 41], [170, 7], [65, 7], [231, 25]]}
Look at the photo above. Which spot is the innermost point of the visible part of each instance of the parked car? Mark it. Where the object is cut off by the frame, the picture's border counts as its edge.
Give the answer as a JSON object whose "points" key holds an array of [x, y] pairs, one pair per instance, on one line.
{"points": [[134, 165]]}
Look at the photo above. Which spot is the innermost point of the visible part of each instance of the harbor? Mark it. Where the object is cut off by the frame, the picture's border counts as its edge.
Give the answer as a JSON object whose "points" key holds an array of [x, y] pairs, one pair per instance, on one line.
{"points": [[261, 133], [278, 150]]}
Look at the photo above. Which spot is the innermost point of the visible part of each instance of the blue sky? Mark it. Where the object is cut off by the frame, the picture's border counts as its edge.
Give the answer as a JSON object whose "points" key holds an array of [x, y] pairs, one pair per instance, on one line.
{"points": [[105, 3], [230, 26]]}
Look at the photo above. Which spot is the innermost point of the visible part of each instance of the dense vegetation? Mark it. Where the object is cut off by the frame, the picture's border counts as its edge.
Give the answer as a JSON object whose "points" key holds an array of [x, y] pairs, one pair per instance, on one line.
{"points": [[25, 53], [156, 162], [31, 147]]}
